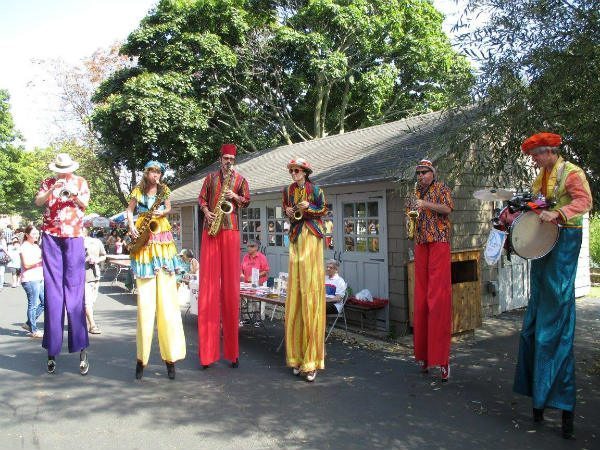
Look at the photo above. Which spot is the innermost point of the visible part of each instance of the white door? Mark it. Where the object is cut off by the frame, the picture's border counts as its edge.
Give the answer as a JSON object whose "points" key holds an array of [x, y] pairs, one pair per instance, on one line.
{"points": [[360, 228]]}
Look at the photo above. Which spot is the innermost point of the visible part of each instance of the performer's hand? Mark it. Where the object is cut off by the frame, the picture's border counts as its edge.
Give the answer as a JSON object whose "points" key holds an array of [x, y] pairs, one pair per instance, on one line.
{"points": [[134, 233], [230, 195], [303, 205], [289, 211], [157, 214], [549, 216], [210, 216]]}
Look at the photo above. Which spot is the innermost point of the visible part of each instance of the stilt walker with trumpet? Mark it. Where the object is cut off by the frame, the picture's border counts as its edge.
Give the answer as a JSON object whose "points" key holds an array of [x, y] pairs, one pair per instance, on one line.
{"points": [[223, 193], [66, 198], [154, 263]]}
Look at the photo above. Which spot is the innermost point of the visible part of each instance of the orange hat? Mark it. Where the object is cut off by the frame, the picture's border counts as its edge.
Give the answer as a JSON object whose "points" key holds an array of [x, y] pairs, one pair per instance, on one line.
{"points": [[540, 140], [302, 163], [228, 149]]}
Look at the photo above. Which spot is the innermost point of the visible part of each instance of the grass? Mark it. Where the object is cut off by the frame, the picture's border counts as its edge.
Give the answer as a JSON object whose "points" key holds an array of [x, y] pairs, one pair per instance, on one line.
{"points": [[594, 292]]}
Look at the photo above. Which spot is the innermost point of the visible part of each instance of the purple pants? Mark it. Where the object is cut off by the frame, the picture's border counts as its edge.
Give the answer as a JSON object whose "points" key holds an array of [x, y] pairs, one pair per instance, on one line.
{"points": [[63, 260]]}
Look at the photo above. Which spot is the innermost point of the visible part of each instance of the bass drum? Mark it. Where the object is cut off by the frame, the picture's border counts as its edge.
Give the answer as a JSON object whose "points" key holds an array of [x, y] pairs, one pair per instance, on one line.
{"points": [[530, 238]]}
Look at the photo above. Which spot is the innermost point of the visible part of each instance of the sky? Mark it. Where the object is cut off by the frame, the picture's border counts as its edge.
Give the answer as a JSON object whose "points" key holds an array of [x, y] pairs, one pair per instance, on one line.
{"points": [[34, 30]]}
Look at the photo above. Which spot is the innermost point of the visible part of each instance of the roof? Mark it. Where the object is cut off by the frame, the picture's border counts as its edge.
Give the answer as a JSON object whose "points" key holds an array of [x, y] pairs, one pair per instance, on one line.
{"points": [[385, 152]]}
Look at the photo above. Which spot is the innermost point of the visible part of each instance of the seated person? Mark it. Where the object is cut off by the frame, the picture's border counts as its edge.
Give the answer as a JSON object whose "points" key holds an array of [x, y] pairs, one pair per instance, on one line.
{"points": [[254, 259], [334, 285], [189, 267]]}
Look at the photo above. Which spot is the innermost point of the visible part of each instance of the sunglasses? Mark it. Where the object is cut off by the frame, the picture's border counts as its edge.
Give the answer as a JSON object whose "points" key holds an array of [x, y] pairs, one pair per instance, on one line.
{"points": [[422, 172], [296, 170]]}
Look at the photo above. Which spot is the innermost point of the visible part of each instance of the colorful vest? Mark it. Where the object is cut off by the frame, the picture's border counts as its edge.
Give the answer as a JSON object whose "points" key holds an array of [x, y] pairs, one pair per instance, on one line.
{"points": [[562, 196]]}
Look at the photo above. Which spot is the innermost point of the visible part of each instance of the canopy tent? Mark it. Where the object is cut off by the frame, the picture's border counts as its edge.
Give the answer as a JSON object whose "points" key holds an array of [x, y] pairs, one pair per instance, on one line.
{"points": [[96, 221], [118, 220]]}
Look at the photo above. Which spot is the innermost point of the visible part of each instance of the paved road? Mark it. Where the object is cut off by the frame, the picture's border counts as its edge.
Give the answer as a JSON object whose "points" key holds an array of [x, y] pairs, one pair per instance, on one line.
{"points": [[370, 397]]}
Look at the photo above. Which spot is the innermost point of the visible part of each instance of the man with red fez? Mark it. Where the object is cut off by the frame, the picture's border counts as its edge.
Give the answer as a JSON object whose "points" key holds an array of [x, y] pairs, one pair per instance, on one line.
{"points": [[219, 293], [433, 290], [546, 364]]}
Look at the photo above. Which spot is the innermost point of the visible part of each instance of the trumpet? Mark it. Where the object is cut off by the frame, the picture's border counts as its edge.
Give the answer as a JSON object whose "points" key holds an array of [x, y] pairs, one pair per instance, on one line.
{"points": [[65, 194]]}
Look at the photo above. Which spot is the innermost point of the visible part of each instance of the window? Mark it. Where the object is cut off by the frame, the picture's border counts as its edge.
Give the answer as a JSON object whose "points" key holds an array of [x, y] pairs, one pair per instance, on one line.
{"points": [[277, 227], [250, 224], [361, 227], [174, 219]]}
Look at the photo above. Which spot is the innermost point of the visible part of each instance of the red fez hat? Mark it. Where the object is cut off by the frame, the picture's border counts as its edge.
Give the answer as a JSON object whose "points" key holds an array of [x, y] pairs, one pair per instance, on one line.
{"points": [[228, 149], [540, 140]]}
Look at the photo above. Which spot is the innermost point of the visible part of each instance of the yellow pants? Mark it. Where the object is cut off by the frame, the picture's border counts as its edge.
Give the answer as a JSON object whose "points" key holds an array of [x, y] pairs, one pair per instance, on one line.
{"points": [[157, 296], [305, 304]]}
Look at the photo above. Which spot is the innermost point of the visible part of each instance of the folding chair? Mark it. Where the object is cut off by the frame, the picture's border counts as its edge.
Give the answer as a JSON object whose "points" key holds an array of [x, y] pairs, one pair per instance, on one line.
{"points": [[342, 313]]}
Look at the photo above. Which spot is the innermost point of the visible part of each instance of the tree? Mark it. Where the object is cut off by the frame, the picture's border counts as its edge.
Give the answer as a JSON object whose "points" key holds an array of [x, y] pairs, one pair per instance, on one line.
{"points": [[262, 73], [539, 62], [77, 84]]}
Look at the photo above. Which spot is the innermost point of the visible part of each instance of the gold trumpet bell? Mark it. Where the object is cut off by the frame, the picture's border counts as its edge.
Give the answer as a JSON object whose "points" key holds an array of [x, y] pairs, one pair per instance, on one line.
{"points": [[227, 207], [298, 215]]}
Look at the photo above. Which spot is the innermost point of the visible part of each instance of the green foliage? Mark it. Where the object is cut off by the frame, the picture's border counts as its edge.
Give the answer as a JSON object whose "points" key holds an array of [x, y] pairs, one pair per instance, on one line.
{"points": [[539, 62], [595, 239], [266, 72]]}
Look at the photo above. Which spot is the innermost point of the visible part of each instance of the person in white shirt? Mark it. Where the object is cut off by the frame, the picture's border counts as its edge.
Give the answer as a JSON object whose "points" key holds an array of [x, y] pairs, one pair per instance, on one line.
{"points": [[334, 285], [94, 255], [32, 279], [14, 265]]}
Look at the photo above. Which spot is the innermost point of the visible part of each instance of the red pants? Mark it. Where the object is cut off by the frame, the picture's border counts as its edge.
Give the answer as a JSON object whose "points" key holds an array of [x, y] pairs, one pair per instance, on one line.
{"points": [[219, 296], [433, 303]]}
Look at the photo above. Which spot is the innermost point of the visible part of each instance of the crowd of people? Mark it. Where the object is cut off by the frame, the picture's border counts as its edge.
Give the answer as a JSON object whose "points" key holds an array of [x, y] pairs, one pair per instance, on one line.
{"points": [[64, 271]]}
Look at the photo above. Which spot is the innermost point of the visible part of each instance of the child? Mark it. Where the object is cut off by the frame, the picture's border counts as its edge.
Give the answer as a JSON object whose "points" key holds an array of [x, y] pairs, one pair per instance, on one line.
{"points": [[119, 245]]}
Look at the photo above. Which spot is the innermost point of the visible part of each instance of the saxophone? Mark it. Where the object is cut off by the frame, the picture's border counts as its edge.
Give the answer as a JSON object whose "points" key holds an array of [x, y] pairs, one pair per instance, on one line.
{"points": [[223, 206], [412, 214], [148, 224]]}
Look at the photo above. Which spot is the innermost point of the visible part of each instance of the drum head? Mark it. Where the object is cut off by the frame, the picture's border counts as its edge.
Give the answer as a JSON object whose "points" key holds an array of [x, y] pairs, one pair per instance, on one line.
{"points": [[531, 238]]}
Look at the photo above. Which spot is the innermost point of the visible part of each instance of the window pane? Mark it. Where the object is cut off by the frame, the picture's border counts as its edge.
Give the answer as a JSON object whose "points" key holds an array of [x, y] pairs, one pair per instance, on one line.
{"points": [[278, 212], [348, 210], [270, 213], [361, 210], [361, 244], [374, 245], [349, 244], [373, 209], [361, 227], [349, 227], [373, 226]]}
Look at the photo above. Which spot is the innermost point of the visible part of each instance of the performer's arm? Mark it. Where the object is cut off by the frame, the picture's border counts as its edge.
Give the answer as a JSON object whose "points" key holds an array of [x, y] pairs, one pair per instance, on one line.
{"points": [[130, 209], [203, 199], [82, 198], [318, 206], [581, 197], [242, 197], [44, 193], [443, 207]]}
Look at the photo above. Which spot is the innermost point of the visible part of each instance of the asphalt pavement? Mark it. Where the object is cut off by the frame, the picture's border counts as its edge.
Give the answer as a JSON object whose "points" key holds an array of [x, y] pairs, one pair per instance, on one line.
{"points": [[371, 395]]}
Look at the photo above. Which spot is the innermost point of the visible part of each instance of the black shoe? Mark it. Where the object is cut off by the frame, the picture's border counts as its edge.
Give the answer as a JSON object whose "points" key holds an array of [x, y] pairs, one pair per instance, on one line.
{"points": [[171, 370], [236, 363], [51, 364], [84, 365], [567, 424], [538, 415], [139, 370]]}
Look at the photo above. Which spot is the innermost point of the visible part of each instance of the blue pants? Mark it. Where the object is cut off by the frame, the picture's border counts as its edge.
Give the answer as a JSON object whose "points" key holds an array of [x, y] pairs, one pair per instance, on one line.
{"points": [[35, 301]]}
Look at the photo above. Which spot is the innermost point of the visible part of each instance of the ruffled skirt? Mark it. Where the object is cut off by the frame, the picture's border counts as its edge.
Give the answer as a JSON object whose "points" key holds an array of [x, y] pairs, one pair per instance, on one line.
{"points": [[159, 253]]}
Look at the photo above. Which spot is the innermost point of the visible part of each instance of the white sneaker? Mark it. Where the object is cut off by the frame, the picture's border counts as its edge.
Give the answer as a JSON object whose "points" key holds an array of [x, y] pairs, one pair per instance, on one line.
{"points": [[37, 334], [310, 376]]}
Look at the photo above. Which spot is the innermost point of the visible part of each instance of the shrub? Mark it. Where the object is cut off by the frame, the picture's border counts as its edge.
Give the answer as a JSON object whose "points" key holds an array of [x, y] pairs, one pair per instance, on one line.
{"points": [[595, 239]]}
